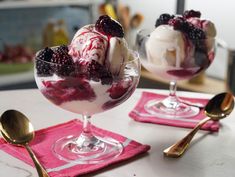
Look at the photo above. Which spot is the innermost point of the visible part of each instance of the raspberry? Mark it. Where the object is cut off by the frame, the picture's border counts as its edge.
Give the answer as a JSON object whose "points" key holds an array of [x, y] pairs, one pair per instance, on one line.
{"points": [[191, 13], [42, 67], [99, 72], [108, 26], [163, 19]]}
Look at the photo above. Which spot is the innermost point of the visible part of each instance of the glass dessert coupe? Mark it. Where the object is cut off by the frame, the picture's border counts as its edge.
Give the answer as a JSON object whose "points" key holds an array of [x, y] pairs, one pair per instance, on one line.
{"points": [[86, 90], [172, 59]]}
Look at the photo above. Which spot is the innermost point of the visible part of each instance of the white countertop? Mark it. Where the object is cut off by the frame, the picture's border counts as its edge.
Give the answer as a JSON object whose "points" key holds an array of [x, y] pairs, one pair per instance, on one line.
{"points": [[210, 155]]}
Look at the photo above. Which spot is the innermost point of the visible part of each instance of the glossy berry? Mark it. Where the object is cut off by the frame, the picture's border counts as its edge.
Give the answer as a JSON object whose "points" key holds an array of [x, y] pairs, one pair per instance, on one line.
{"points": [[64, 65], [191, 13], [45, 54], [187, 28], [108, 26], [98, 72], [196, 33], [163, 19], [61, 56], [177, 23], [43, 68]]}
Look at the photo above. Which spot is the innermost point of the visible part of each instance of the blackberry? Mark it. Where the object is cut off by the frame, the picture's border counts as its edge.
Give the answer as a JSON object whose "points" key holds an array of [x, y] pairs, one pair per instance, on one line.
{"points": [[42, 67], [61, 56], [108, 26], [180, 24], [63, 62], [191, 13], [99, 72], [163, 19], [45, 54], [196, 33]]}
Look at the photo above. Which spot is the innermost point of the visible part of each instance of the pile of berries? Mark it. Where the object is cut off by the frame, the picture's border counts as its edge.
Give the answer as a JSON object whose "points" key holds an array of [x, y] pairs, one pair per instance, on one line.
{"points": [[54, 61], [180, 23], [58, 61]]}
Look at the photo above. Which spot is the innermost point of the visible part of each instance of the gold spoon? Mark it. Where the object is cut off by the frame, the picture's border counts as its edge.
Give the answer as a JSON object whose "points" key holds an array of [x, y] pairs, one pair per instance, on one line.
{"points": [[217, 108], [16, 129]]}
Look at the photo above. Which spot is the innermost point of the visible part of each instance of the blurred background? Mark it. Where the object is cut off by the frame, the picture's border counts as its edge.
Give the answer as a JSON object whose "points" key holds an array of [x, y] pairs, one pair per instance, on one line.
{"points": [[29, 25]]}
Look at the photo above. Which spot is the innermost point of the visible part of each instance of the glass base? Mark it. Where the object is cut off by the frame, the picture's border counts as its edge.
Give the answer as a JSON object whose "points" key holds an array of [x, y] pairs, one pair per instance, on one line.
{"points": [[87, 150], [170, 108]]}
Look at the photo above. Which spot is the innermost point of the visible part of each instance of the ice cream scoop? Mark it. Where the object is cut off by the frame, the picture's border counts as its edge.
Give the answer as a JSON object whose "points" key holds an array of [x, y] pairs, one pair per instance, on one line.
{"points": [[182, 41], [102, 42], [166, 46]]}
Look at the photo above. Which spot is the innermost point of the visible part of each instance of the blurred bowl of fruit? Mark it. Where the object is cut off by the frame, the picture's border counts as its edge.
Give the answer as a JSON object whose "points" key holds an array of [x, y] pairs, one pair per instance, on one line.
{"points": [[15, 59]]}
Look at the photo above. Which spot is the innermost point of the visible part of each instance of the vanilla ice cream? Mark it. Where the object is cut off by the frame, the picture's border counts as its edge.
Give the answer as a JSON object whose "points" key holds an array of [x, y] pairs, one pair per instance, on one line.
{"points": [[89, 44], [166, 46]]}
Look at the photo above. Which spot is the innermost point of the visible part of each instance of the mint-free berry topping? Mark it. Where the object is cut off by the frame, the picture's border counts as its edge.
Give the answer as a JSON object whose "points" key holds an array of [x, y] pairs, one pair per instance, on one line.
{"points": [[44, 68], [45, 54], [191, 13], [187, 28], [106, 25], [56, 60], [99, 72], [64, 65], [61, 56], [196, 33], [178, 23], [163, 19]]}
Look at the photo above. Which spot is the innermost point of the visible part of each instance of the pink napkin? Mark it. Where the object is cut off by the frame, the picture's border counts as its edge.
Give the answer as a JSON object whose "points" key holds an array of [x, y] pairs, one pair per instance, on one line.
{"points": [[139, 114], [44, 139]]}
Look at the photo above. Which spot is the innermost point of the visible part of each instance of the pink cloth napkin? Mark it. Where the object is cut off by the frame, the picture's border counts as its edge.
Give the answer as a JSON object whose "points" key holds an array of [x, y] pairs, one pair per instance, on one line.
{"points": [[139, 114], [44, 139]]}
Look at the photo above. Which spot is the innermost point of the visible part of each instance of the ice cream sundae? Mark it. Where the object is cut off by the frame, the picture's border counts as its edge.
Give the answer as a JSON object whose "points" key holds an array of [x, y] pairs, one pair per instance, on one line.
{"points": [[94, 73], [181, 46]]}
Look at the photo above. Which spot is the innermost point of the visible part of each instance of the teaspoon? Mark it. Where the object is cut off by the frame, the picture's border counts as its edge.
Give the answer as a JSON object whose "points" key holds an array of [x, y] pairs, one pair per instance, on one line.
{"points": [[16, 129], [217, 108]]}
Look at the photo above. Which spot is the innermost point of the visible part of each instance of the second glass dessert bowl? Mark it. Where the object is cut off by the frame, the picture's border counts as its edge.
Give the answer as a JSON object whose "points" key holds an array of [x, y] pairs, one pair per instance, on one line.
{"points": [[86, 89], [173, 58]]}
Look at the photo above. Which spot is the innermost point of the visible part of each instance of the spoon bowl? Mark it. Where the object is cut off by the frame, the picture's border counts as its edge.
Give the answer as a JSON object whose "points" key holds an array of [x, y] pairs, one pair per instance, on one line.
{"points": [[17, 130], [219, 107], [16, 127]]}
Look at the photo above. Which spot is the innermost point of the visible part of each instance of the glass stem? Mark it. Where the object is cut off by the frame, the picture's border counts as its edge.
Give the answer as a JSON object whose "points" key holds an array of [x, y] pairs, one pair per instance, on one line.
{"points": [[172, 95], [173, 87], [86, 125]]}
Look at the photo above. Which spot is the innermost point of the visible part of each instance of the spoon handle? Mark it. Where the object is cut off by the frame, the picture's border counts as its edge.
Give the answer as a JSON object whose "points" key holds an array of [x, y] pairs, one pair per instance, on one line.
{"points": [[177, 149], [40, 169]]}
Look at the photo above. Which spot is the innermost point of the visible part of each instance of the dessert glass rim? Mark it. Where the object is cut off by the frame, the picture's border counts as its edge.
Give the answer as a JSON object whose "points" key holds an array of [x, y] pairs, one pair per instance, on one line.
{"points": [[133, 52]]}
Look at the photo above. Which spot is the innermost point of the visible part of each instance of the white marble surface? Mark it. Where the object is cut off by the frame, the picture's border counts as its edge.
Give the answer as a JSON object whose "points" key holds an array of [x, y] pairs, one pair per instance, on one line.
{"points": [[210, 155]]}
